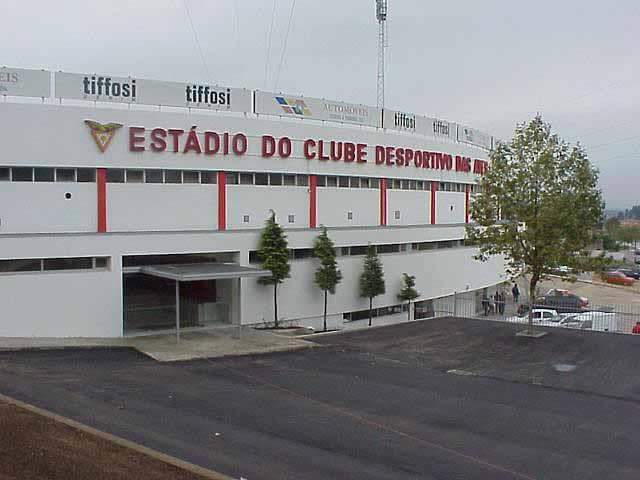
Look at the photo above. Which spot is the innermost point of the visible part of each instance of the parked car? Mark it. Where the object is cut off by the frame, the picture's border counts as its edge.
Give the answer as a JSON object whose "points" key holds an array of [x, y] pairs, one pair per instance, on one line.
{"points": [[618, 278], [562, 291], [598, 321], [562, 301], [539, 315], [631, 273]]}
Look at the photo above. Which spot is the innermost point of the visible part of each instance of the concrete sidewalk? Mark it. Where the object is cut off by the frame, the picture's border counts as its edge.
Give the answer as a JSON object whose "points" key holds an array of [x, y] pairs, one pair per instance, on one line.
{"points": [[210, 343]]}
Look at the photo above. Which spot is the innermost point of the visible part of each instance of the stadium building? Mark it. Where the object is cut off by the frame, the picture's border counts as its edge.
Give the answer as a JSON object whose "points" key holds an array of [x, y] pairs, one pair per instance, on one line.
{"points": [[126, 204]]}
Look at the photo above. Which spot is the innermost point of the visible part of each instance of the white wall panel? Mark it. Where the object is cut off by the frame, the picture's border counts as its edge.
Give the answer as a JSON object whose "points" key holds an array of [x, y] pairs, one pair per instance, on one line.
{"points": [[69, 304], [144, 206], [43, 208], [450, 207], [334, 205], [256, 201], [413, 207]]}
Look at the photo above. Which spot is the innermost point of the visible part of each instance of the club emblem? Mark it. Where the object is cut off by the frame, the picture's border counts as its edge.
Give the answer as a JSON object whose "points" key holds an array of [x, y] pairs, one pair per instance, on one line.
{"points": [[102, 134]]}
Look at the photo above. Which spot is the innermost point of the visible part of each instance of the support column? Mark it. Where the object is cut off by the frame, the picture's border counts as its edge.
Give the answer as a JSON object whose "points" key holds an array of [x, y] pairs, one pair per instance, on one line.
{"points": [[222, 200], [467, 203], [383, 202], [434, 191], [101, 184], [177, 310], [313, 201]]}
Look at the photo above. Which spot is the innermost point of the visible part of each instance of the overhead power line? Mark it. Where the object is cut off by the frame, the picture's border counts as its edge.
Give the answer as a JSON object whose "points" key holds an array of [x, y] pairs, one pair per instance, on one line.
{"points": [[195, 36], [267, 57], [284, 47]]}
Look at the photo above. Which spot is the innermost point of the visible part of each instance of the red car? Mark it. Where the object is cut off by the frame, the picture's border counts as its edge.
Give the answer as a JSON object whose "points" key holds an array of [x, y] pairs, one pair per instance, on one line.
{"points": [[618, 278]]}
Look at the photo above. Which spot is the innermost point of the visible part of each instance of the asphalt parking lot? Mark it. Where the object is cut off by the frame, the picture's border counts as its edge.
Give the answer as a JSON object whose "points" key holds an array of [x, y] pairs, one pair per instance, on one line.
{"points": [[440, 399]]}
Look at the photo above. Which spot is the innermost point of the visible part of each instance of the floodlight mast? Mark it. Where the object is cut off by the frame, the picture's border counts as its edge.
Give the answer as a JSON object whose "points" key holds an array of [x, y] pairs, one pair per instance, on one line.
{"points": [[381, 16]]}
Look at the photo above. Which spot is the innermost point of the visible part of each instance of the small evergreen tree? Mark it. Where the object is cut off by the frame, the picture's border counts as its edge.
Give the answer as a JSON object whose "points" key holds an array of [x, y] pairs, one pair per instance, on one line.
{"points": [[408, 293], [274, 254], [372, 278], [328, 275]]}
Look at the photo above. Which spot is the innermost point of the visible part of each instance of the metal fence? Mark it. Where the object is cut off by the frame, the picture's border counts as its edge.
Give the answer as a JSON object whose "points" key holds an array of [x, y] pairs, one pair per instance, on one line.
{"points": [[550, 312]]}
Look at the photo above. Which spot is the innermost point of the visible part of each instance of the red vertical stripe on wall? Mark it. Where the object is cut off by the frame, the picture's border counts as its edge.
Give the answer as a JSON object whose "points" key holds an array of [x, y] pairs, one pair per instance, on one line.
{"points": [[222, 200], [101, 183], [383, 201], [467, 204], [313, 201], [434, 190]]}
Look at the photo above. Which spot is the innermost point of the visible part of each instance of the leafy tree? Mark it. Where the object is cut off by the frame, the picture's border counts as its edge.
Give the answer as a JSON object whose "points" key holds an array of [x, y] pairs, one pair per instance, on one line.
{"points": [[538, 203], [372, 278], [274, 255], [408, 293], [629, 234], [328, 275], [611, 226]]}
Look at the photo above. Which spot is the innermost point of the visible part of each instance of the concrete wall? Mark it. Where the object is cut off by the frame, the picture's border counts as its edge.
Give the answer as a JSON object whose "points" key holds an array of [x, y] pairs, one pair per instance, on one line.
{"points": [[413, 207], [256, 201], [144, 206], [42, 207], [450, 207], [334, 205]]}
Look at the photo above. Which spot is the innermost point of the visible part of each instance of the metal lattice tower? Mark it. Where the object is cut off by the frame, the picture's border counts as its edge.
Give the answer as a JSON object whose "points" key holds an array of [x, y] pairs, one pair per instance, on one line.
{"points": [[381, 16]]}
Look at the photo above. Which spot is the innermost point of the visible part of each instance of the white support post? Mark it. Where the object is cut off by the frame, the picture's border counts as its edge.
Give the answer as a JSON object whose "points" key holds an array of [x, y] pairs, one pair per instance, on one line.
{"points": [[177, 311]]}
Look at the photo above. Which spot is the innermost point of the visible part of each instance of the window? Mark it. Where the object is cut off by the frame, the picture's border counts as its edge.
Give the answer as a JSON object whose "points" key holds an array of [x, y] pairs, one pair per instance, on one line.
{"points": [[405, 184], [231, 178], [246, 179], [172, 176], [397, 184], [262, 178], [5, 174], [86, 175], [413, 185], [358, 250], [245, 219], [427, 185], [354, 182], [303, 180], [349, 215], [21, 265], [344, 251], [396, 214], [68, 263], [321, 181], [101, 262], [292, 218], [135, 176], [22, 174], [332, 181], [300, 253], [420, 185], [115, 175], [43, 174], [65, 175], [275, 179], [374, 182], [254, 257], [153, 176], [364, 182], [191, 176], [343, 182], [389, 248], [208, 177], [289, 180]]}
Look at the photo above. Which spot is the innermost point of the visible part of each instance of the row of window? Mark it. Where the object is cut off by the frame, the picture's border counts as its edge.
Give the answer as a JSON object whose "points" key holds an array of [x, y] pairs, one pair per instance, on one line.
{"points": [[53, 264], [120, 175], [47, 174], [357, 250]]}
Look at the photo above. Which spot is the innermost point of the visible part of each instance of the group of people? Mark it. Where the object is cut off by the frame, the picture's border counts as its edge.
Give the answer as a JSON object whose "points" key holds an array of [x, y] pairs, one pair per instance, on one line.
{"points": [[496, 304]]}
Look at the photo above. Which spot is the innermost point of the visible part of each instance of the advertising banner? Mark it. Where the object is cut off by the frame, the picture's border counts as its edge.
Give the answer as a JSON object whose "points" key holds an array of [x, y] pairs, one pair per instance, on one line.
{"points": [[20, 82], [474, 137], [105, 88], [427, 126], [284, 105], [395, 120]]}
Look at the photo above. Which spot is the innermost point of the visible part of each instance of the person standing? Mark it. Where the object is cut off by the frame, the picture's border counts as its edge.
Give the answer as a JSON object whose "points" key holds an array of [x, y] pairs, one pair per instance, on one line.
{"points": [[515, 291]]}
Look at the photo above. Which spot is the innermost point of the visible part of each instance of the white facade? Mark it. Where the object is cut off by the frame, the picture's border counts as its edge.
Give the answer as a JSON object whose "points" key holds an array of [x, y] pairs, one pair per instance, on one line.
{"points": [[93, 219]]}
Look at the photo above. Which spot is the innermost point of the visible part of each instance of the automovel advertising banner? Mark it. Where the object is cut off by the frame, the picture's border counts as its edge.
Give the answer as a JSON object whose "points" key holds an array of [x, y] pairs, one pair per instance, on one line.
{"points": [[106, 88], [20, 82], [283, 105]]}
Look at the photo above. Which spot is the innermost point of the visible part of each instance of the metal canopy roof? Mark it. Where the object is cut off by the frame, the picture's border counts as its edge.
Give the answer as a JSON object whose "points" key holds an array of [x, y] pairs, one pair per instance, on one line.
{"points": [[191, 272]]}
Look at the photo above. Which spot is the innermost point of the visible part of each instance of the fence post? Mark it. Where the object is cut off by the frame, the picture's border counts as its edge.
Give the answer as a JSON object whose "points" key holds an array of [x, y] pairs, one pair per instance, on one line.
{"points": [[455, 304]]}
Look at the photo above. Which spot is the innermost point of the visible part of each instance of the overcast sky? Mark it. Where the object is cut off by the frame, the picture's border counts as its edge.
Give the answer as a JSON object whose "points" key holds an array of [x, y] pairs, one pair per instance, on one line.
{"points": [[489, 63]]}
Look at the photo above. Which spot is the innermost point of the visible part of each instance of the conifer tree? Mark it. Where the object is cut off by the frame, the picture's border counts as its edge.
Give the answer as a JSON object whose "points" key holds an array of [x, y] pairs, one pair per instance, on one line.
{"points": [[274, 255], [328, 275], [372, 278], [408, 293]]}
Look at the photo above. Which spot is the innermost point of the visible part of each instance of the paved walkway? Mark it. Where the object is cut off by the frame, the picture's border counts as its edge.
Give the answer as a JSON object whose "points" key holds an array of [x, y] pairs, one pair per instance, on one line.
{"points": [[211, 343]]}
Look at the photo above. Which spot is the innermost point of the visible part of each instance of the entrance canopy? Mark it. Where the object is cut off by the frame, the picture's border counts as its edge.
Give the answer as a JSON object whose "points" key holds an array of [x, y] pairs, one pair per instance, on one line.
{"points": [[191, 272]]}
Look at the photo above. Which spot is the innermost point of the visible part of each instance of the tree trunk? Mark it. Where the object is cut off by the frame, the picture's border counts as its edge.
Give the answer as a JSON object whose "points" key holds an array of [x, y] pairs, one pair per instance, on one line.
{"points": [[370, 308], [325, 311], [275, 305], [532, 293], [409, 311]]}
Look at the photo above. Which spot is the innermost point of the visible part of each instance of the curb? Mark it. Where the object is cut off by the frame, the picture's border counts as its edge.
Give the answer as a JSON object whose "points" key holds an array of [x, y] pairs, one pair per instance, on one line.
{"points": [[176, 462]]}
